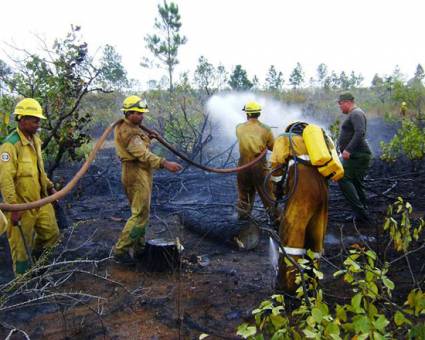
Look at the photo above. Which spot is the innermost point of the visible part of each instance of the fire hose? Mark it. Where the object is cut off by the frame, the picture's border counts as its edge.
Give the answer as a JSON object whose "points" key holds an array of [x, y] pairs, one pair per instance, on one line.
{"points": [[81, 172], [200, 166]]}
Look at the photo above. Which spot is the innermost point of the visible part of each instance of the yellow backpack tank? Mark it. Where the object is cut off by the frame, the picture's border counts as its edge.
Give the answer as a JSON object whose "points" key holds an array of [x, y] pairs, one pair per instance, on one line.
{"points": [[316, 146], [333, 169], [322, 152]]}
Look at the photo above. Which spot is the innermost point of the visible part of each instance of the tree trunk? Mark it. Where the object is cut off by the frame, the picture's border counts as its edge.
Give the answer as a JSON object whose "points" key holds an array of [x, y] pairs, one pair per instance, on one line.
{"points": [[242, 234], [161, 255]]}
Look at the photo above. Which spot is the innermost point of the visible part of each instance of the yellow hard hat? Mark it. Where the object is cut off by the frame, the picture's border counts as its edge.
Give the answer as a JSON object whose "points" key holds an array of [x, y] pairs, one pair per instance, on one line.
{"points": [[29, 107], [252, 107], [403, 103], [134, 103]]}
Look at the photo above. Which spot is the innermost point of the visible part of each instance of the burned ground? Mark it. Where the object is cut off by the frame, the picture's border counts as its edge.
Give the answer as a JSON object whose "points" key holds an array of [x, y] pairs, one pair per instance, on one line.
{"points": [[84, 294]]}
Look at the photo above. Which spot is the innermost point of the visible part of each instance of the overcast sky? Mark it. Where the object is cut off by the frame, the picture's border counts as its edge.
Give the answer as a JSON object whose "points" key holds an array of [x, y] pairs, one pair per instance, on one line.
{"points": [[367, 36]]}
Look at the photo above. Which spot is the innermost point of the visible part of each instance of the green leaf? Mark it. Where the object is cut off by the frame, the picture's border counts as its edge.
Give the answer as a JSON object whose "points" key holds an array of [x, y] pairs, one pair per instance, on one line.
{"points": [[278, 297], [388, 283], [371, 310], [341, 314], [318, 274], [377, 336], [417, 332], [381, 323], [245, 330], [369, 276], [309, 334], [372, 290], [277, 310], [371, 254], [332, 328], [361, 324], [277, 320], [400, 319], [317, 314], [324, 308], [348, 278], [339, 272], [355, 303]]}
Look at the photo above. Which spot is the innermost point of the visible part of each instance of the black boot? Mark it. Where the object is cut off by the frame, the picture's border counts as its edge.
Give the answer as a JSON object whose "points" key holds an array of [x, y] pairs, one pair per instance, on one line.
{"points": [[124, 259]]}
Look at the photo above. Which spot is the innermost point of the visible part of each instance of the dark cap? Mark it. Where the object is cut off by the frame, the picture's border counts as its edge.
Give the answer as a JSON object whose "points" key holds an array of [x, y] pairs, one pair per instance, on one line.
{"points": [[345, 96]]}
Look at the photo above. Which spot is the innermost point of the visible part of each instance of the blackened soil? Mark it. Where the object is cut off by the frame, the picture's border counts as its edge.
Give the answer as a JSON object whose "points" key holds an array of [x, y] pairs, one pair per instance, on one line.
{"points": [[216, 286]]}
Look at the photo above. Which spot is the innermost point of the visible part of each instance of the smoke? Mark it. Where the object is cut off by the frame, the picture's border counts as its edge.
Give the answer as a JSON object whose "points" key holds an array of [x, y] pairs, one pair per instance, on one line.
{"points": [[226, 113]]}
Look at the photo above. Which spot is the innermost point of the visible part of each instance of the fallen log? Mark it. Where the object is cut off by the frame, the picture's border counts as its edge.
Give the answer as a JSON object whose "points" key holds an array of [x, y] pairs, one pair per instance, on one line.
{"points": [[243, 234]]}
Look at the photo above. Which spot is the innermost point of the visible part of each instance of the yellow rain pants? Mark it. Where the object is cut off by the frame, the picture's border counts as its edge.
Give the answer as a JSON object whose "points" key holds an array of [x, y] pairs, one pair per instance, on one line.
{"points": [[40, 230]]}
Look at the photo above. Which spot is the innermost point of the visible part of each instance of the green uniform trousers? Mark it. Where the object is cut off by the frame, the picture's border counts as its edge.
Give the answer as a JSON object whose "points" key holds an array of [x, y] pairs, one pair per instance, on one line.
{"points": [[40, 230], [351, 185], [304, 221], [138, 187]]}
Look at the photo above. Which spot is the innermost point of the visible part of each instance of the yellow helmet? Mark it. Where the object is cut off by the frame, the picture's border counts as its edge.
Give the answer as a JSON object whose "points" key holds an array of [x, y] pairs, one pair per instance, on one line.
{"points": [[404, 104], [252, 107], [134, 103], [29, 107]]}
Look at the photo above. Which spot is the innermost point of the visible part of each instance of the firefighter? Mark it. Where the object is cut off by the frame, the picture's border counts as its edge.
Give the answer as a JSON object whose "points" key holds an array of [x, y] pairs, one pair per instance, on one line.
{"points": [[138, 164], [356, 157], [304, 219], [403, 109], [253, 137], [23, 179]]}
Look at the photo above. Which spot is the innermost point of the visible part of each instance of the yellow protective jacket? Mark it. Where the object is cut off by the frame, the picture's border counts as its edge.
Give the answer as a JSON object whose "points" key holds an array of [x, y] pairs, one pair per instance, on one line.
{"points": [[253, 137], [22, 175], [132, 144]]}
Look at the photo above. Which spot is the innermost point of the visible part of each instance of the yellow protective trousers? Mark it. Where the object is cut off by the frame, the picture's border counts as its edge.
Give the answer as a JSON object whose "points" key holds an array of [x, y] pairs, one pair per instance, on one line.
{"points": [[251, 181], [138, 188], [41, 232], [304, 221]]}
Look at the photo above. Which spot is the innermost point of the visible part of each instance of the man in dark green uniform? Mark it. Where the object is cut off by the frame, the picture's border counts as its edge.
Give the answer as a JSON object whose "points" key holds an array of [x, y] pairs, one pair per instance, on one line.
{"points": [[356, 156]]}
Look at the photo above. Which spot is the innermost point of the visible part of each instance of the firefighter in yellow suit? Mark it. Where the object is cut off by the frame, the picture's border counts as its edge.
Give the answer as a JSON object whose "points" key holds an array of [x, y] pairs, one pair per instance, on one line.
{"points": [[23, 179], [138, 164], [253, 137], [304, 219]]}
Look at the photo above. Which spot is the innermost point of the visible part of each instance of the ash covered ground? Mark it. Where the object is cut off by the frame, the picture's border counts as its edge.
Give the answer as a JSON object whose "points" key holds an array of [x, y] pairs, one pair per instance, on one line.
{"points": [[215, 287]]}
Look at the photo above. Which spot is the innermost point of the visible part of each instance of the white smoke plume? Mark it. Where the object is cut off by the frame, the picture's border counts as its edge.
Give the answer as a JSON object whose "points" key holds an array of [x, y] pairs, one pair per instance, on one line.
{"points": [[226, 112]]}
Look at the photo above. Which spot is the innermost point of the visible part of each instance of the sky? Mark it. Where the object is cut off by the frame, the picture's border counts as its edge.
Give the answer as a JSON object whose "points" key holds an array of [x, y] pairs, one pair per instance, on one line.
{"points": [[366, 36]]}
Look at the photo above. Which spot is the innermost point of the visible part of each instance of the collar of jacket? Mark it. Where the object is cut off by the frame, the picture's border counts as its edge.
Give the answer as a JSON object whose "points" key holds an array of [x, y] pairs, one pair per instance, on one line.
{"points": [[130, 123], [24, 139]]}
